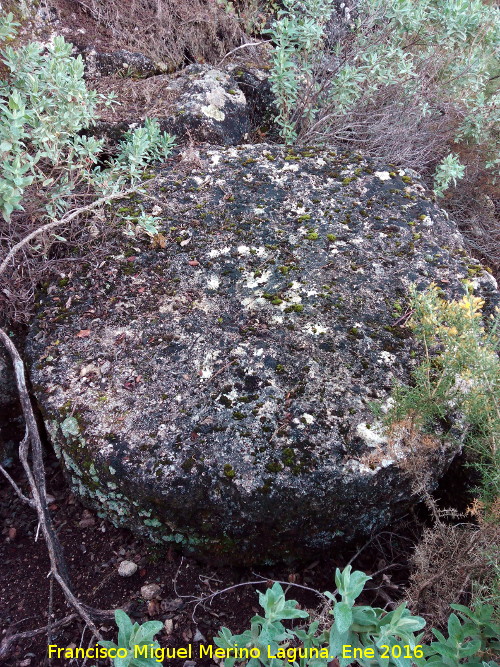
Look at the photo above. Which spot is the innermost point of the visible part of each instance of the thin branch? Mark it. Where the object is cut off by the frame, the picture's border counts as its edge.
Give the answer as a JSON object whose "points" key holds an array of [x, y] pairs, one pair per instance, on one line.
{"points": [[36, 478], [265, 41], [67, 217], [9, 640]]}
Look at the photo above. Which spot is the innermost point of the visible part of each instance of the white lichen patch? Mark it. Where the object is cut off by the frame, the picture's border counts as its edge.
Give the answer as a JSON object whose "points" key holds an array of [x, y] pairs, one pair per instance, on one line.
{"points": [[217, 252], [383, 175], [372, 434], [213, 282], [386, 358], [315, 329], [212, 111], [70, 427], [252, 281], [206, 367]]}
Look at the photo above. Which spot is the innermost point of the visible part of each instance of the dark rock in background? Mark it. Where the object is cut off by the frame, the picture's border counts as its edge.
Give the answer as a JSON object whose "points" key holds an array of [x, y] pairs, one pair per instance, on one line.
{"points": [[122, 63], [199, 104]]}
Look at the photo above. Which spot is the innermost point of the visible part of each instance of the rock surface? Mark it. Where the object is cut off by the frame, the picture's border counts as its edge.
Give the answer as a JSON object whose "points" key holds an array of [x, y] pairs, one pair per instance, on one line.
{"points": [[214, 390], [122, 63], [200, 103]]}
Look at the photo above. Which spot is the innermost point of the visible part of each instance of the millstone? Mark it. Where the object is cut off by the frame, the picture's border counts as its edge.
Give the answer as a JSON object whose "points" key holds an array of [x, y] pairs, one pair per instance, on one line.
{"points": [[213, 389]]}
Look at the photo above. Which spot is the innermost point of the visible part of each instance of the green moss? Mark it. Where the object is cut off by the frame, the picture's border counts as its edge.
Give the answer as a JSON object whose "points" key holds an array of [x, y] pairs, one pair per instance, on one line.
{"points": [[331, 237], [188, 464], [354, 332], [229, 471], [280, 368], [312, 236], [238, 415], [406, 179], [474, 270], [274, 467], [295, 308], [288, 456]]}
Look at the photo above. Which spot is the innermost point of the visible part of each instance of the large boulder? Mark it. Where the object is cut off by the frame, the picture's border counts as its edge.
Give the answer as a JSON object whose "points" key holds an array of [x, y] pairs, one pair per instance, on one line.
{"points": [[200, 103], [214, 388]]}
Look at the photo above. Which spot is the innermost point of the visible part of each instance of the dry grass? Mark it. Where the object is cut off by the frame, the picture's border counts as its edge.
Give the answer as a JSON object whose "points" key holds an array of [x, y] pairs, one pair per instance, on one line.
{"points": [[447, 562], [475, 205], [415, 453], [88, 241], [174, 32], [138, 98]]}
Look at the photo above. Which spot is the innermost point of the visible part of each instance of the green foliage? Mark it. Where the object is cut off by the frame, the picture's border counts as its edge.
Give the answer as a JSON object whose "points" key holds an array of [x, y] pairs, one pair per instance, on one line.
{"points": [[460, 374], [297, 34], [432, 59], [45, 108], [448, 170], [472, 636], [131, 636], [8, 27]]}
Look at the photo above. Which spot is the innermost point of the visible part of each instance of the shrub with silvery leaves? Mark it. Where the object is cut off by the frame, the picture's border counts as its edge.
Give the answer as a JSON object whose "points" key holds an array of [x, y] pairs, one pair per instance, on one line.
{"points": [[45, 155], [427, 58]]}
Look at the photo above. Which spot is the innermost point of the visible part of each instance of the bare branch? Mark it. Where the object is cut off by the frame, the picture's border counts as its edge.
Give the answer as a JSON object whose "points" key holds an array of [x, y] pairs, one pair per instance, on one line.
{"points": [[67, 217]]}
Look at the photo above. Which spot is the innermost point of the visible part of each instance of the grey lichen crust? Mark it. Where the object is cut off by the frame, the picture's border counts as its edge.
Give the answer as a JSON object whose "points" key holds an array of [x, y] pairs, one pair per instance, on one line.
{"points": [[218, 392]]}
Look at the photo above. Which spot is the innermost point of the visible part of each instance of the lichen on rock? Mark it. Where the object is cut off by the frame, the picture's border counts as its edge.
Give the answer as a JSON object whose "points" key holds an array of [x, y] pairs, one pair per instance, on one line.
{"points": [[232, 371]]}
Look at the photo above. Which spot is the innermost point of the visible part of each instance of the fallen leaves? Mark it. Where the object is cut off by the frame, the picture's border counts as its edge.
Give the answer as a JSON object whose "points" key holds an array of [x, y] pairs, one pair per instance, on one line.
{"points": [[83, 333]]}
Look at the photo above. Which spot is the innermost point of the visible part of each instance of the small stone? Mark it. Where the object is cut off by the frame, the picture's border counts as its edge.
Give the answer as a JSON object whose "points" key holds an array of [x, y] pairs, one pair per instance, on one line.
{"points": [[169, 626], [150, 591], [198, 637], [127, 568]]}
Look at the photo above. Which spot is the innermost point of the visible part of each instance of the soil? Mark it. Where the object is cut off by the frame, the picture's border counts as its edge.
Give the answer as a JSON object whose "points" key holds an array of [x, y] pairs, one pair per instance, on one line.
{"points": [[94, 548]]}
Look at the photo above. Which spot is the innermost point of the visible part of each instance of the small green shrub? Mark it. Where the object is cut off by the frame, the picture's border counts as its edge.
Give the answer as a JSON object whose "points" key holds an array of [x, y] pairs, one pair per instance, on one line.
{"points": [[449, 170], [387, 639], [459, 375], [46, 160], [135, 639], [406, 80]]}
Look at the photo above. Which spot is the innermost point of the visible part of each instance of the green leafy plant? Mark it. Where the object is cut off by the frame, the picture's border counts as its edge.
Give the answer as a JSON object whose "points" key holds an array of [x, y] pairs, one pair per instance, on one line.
{"points": [[45, 155], [403, 79], [134, 638], [359, 634], [449, 170], [460, 374], [297, 33]]}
